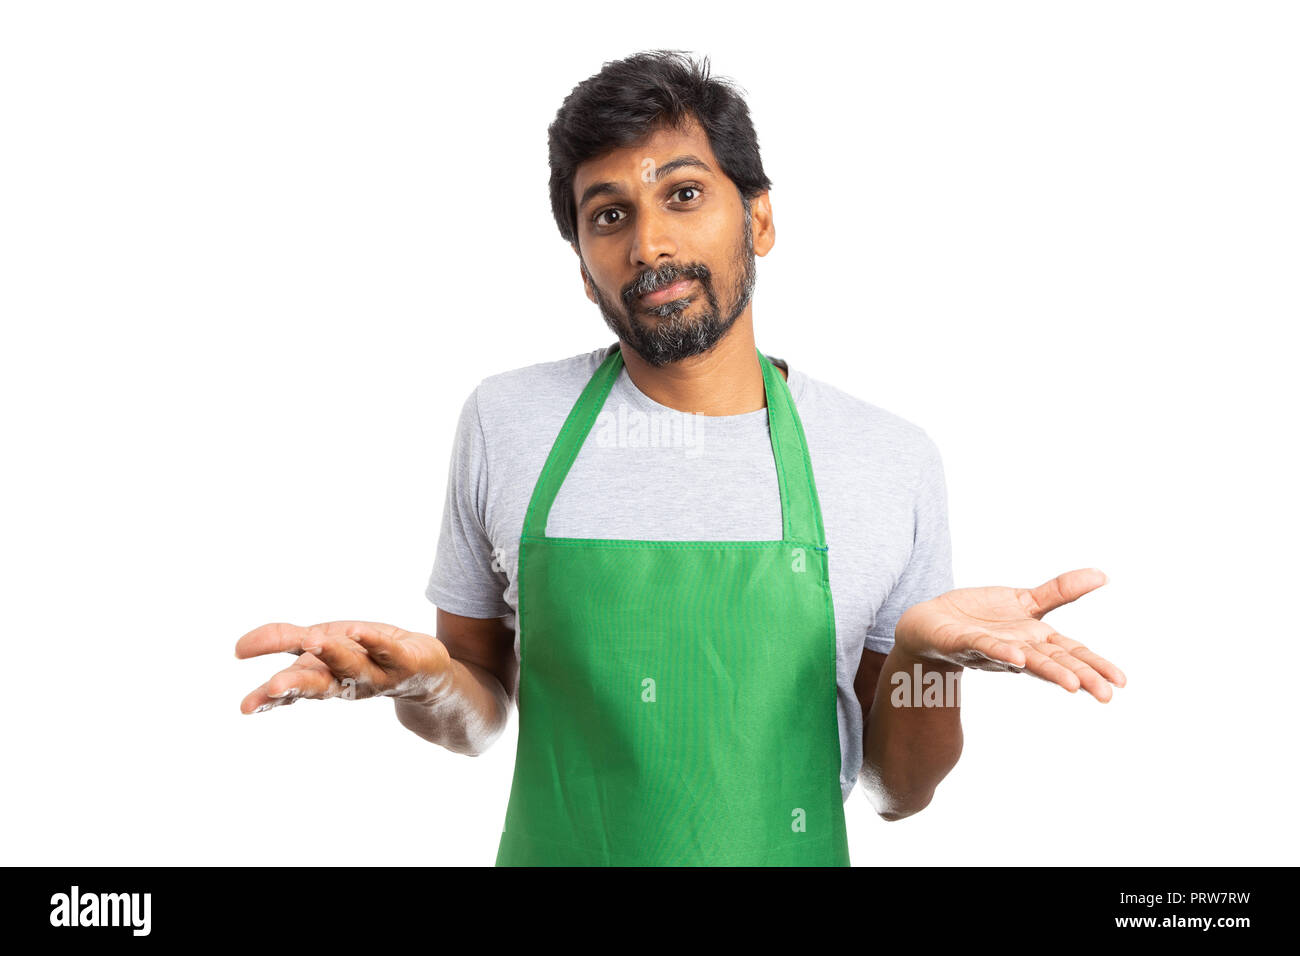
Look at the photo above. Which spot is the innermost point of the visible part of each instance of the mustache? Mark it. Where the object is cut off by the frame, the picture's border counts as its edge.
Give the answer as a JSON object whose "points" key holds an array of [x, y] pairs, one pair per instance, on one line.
{"points": [[655, 279]]}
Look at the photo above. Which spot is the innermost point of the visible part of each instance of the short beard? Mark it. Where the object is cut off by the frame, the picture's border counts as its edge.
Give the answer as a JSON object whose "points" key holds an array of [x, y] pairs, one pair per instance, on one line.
{"points": [[676, 336]]}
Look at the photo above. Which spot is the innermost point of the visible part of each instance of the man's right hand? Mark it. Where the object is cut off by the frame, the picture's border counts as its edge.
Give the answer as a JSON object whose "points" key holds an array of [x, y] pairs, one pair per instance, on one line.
{"points": [[348, 659]]}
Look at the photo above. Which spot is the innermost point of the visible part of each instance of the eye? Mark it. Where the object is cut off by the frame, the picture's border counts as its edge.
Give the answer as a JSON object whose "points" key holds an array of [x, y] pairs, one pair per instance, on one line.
{"points": [[599, 220]]}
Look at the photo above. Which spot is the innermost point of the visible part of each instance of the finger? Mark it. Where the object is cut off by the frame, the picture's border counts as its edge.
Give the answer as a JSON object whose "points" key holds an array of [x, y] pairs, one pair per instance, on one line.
{"points": [[1102, 666], [317, 682], [1040, 665], [1063, 589], [1098, 663], [1089, 679], [271, 638], [307, 677], [259, 700], [342, 655], [386, 650], [266, 697], [997, 650]]}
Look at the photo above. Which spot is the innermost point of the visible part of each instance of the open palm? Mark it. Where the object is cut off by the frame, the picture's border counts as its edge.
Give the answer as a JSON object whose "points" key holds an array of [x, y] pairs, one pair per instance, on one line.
{"points": [[1001, 629]]}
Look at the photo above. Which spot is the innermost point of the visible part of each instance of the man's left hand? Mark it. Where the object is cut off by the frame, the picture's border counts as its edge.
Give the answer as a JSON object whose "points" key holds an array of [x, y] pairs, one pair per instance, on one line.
{"points": [[1000, 629]]}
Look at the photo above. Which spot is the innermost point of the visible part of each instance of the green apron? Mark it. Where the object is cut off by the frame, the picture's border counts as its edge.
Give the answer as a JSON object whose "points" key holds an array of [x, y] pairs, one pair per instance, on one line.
{"points": [[677, 699]]}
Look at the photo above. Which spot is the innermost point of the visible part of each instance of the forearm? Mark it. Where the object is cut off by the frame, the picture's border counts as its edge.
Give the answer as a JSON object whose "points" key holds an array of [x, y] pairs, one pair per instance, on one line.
{"points": [[908, 750], [465, 713]]}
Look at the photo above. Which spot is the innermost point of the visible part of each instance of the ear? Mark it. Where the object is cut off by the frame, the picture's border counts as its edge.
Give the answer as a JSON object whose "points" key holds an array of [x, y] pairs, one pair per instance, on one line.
{"points": [[760, 211]]}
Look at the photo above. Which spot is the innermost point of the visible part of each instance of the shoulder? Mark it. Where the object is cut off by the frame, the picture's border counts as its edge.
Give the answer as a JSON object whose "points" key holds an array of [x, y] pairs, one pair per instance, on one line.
{"points": [[854, 423], [519, 397], [556, 371]]}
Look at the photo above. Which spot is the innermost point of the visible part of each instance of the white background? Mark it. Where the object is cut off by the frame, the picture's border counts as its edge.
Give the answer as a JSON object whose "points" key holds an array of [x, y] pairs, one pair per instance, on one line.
{"points": [[253, 257]]}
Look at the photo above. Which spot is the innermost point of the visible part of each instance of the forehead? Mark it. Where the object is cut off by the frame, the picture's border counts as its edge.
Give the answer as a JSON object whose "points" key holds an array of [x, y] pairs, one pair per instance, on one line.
{"points": [[628, 163]]}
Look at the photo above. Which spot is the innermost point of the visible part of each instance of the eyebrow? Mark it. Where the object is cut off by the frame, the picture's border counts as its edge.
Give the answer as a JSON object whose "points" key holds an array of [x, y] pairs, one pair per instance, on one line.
{"points": [[613, 189]]}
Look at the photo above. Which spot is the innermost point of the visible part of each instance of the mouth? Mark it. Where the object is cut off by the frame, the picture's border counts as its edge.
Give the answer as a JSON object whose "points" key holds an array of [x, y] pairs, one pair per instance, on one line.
{"points": [[668, 293]]}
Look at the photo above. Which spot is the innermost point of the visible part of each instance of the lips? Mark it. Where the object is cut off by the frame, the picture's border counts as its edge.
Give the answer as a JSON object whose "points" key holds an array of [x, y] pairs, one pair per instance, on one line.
{"points": [[668, 293]]}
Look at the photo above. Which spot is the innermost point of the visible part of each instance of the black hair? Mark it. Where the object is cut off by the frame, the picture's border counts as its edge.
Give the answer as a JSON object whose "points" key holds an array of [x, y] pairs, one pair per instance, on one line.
{"points": [[630, 98]]}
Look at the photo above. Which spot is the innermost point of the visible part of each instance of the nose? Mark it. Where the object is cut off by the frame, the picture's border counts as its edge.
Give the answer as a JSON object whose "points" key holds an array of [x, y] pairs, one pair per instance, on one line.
{"points": [[652, 243]]}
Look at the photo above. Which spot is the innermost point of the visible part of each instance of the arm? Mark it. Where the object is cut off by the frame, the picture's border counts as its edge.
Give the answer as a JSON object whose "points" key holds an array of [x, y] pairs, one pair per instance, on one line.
{"points": [[468, 709], [453, 689], [906, 750]]}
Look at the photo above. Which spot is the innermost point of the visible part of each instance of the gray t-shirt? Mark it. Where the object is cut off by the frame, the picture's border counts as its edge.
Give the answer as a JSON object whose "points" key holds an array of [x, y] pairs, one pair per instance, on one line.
{"points": [[647, 471]]}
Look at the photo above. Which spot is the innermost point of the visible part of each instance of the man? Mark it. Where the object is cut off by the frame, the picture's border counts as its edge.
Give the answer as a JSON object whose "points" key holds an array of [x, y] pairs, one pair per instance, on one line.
{"points": [[703, 576]]}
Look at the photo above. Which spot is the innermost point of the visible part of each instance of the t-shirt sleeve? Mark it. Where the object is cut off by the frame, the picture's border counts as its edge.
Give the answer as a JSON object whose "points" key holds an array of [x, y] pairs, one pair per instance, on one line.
{"points": [[466, 577], [929, 571]]}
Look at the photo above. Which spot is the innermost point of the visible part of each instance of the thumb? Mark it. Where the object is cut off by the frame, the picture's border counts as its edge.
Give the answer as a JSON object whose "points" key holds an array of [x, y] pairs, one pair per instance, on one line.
{"points": [[1065, 588]]}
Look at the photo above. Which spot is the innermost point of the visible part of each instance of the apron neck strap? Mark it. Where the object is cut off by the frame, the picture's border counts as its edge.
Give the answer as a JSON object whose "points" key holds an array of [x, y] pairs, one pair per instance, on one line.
{"points": [[801, 518]]}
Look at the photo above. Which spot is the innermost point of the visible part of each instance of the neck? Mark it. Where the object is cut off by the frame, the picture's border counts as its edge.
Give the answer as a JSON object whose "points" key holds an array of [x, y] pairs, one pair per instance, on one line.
{"points": [[726, 380]]}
